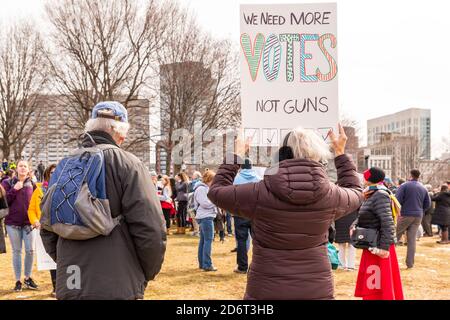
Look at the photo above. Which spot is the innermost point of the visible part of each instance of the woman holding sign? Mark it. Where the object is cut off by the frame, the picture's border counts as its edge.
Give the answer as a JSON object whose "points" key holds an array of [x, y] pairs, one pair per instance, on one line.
{"points": [[34, 210], [291, 211]]}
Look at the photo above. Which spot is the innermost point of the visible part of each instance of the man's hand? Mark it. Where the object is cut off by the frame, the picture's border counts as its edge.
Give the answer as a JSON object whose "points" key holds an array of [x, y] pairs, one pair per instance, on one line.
{"points": [[338, 143], [37, 225]]}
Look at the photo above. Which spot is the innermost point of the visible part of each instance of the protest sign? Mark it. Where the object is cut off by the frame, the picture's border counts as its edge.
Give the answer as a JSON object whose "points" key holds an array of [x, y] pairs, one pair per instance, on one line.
{"points": [[44, 261], [288, 56]]}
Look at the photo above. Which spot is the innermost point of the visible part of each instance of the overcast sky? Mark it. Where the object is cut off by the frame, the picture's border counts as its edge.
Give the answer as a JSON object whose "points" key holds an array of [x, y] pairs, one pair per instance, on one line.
{"points": [[393, 55]]}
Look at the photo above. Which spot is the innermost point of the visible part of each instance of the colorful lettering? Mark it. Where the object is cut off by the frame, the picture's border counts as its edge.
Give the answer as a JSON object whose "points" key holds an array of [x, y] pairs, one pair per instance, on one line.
{"points": [[253, 54], [289, 39], [271, 72], [331, 62], [306, 56]]}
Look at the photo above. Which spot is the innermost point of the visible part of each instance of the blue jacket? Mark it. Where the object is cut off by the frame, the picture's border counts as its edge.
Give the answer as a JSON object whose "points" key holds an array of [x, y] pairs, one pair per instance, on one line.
{"points": [[192, 185], [414, 199]]}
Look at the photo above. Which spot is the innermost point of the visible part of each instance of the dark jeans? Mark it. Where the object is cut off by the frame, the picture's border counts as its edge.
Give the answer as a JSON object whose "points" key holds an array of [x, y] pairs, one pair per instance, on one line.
{"points": [[181, 214], [166, 213], [426, 225], [229, 222], [242, 228], [53, 276], [2, 238], [219, 226]]}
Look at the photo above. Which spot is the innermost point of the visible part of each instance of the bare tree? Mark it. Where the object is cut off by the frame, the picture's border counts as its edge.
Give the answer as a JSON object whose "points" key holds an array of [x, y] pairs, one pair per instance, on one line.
{"points": [[103, 50], [23, 74], [435, 172], [198, 82]]}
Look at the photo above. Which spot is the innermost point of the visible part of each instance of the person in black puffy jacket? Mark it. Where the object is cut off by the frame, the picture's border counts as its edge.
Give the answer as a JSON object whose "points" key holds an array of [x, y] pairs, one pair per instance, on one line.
{"points": [[379, 274], [441, 215]]}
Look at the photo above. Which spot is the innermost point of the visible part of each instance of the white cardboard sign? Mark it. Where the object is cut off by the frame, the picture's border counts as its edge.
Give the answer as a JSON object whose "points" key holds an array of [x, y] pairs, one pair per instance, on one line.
{"points": [[289, 70], [44, 261]]}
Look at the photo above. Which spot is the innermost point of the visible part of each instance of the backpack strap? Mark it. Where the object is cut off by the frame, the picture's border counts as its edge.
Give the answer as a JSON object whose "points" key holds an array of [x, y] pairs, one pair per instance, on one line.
{"points": [[104, 147], [196, 204]]}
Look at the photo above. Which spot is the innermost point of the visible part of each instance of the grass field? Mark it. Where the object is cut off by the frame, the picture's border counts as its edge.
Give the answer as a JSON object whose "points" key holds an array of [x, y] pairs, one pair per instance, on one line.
{"points": [[180, 278]]}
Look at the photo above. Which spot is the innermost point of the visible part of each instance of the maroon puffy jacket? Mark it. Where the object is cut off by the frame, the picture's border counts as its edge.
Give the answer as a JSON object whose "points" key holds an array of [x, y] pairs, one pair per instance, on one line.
{"points": [[291, 212]]}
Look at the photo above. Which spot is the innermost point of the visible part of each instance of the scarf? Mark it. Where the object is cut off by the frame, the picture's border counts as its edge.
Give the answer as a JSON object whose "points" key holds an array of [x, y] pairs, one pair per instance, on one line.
{"points": [[395, 205], [370, 190]]}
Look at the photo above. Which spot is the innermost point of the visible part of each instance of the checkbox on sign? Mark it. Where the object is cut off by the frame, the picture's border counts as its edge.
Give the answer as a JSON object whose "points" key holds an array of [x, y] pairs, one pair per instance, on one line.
{"points": [[284, 133], [269, 137], [253, 135], [324, 133]]}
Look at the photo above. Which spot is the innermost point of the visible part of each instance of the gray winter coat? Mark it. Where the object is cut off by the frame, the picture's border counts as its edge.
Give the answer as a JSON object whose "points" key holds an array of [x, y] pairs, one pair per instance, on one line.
{"points": [[204, 207], [182, 191], [119, 266]]}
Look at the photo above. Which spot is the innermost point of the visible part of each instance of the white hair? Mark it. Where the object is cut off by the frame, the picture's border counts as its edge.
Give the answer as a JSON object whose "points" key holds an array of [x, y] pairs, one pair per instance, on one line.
{"points": [[108, 125], [307, 144], [196, 174]]}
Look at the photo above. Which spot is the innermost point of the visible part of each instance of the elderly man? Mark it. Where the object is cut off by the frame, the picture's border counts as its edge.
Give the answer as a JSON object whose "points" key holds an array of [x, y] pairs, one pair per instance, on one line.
{"points": [[117, 266]]}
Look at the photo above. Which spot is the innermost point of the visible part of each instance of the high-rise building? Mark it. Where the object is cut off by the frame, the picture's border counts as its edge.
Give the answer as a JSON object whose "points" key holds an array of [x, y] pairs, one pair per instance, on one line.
{"points": [[52, 140], [352, 145], [411, 122], [395, 154]]}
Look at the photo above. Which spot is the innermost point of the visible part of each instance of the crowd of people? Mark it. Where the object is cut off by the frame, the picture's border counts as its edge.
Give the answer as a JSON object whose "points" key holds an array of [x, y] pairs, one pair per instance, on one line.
{"points": [[286, 215]]}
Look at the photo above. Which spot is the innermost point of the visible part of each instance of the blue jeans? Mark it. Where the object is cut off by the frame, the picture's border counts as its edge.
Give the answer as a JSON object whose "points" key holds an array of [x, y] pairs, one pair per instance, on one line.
{"points": [[206, 239], [229, 229], [16, 236]]}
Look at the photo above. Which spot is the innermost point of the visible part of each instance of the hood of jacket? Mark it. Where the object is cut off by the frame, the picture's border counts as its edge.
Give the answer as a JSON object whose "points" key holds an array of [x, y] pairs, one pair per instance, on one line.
{"points": [[246, 176], [298, 181], [200, 184]]}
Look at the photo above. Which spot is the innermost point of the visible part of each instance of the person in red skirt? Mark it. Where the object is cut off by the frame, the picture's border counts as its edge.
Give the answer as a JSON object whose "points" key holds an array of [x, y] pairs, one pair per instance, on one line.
{"points": [[379, 273]]}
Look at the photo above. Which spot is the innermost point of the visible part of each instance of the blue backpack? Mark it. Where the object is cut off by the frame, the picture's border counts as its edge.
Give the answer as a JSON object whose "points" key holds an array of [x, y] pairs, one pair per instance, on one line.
{"points": [[75, 205]]}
